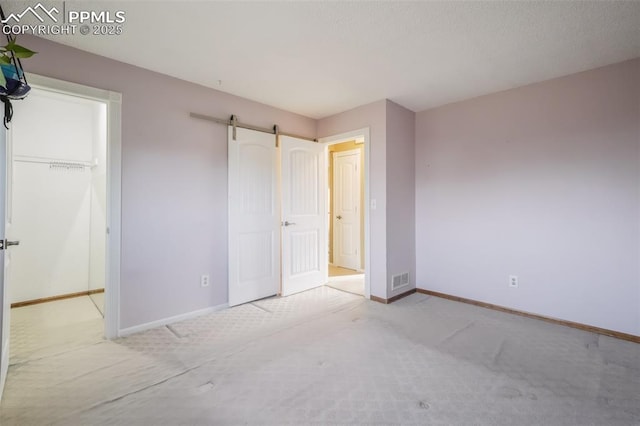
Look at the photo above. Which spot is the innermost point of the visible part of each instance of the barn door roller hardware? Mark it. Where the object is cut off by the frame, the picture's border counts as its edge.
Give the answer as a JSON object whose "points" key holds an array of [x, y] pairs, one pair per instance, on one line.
{"points": [[233, 121], [276, 131]]}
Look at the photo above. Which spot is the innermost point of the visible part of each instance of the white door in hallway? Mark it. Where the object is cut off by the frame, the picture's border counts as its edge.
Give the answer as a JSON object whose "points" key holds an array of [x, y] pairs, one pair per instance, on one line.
{"points": [[254, 216], [346, 209], [304, 207], [5, 259]]}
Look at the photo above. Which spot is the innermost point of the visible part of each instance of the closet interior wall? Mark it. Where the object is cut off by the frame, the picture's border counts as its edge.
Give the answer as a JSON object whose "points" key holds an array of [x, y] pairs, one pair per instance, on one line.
{"points": [[57, 196]]}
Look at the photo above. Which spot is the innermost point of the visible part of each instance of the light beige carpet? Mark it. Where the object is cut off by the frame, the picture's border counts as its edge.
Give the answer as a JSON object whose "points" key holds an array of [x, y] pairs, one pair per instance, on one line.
{"points": [[329, 357]]}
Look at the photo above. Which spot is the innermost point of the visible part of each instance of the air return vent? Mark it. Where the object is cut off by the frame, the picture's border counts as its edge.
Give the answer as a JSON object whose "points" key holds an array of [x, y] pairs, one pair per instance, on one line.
{"points": [[399, 280]]}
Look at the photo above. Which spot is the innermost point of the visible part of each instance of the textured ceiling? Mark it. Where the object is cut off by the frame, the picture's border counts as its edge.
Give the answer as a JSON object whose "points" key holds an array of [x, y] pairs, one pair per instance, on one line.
{"points": [[321, 58]]}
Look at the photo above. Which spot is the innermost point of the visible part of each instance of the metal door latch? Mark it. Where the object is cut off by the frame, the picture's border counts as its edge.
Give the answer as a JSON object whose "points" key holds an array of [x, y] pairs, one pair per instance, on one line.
{"points": [[6, 243]]}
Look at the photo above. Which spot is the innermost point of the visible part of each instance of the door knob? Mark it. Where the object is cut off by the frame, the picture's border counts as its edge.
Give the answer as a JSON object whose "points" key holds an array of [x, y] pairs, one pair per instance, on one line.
{"points": [[6, 243], [338, 217], [287, 223]]}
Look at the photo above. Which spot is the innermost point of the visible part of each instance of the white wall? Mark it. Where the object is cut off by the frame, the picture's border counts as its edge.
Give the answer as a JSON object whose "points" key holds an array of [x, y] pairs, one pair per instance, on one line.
{"points": [[542, 182], [51, 207]]}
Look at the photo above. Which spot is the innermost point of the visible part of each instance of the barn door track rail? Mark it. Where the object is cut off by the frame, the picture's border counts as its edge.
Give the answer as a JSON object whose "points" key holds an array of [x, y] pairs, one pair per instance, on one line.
{"points": [[233, 122]]}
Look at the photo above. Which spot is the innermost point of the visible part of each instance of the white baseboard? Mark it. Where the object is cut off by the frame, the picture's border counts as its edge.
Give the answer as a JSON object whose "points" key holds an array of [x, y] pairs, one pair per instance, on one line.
{"points": [[162, 322]]}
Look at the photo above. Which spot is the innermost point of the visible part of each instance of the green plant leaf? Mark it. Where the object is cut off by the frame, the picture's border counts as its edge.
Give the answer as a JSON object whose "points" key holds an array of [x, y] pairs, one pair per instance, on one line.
{"points": [[3, 81], [18, 50], [4, 59], [21, 52], [10, 44]]}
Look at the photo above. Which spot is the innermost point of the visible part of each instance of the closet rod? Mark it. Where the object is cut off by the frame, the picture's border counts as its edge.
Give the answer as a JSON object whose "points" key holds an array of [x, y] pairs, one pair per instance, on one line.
{"points": [[273, 131], [55, 162]]}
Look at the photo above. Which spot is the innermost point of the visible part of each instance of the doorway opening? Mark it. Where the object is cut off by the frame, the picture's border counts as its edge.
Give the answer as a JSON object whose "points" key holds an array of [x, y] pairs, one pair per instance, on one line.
{"points": [[112, 207], [57, 208], [348, 215]]}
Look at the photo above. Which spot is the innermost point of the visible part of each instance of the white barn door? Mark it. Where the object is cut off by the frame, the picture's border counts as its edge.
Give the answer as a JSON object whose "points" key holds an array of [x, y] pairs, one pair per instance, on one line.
{"points": [[304, 215], [254, 216]]}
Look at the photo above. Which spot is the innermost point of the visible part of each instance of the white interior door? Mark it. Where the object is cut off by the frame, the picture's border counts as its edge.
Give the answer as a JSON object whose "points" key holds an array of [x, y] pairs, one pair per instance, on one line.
{"points": [[254, 216], [5, 304], [304, 207], [346, 209]]}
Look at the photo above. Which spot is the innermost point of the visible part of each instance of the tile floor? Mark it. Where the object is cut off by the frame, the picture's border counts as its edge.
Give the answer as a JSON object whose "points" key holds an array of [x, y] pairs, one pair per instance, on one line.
{"points": [[351, 284], [330, 357], [346, 280]]}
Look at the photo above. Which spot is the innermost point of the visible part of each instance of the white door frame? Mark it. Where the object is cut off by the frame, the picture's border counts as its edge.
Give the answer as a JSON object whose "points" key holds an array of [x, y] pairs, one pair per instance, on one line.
{"points": [[346, 137], [113, 100]]}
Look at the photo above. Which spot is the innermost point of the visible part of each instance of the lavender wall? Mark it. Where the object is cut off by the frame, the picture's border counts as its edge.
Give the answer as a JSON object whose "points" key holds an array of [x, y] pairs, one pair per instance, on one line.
{"points": [[542, 182], [174, 178], [401, 231], [372, 116]]}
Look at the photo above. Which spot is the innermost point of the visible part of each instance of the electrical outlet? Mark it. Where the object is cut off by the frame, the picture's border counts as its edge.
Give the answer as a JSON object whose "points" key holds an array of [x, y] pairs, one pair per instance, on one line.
{"points": [[204, 281], [513, 281]]}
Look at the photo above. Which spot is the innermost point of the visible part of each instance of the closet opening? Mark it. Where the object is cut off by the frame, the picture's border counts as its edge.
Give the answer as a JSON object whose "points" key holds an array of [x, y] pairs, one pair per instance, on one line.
{"points": [[57, 205]]}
